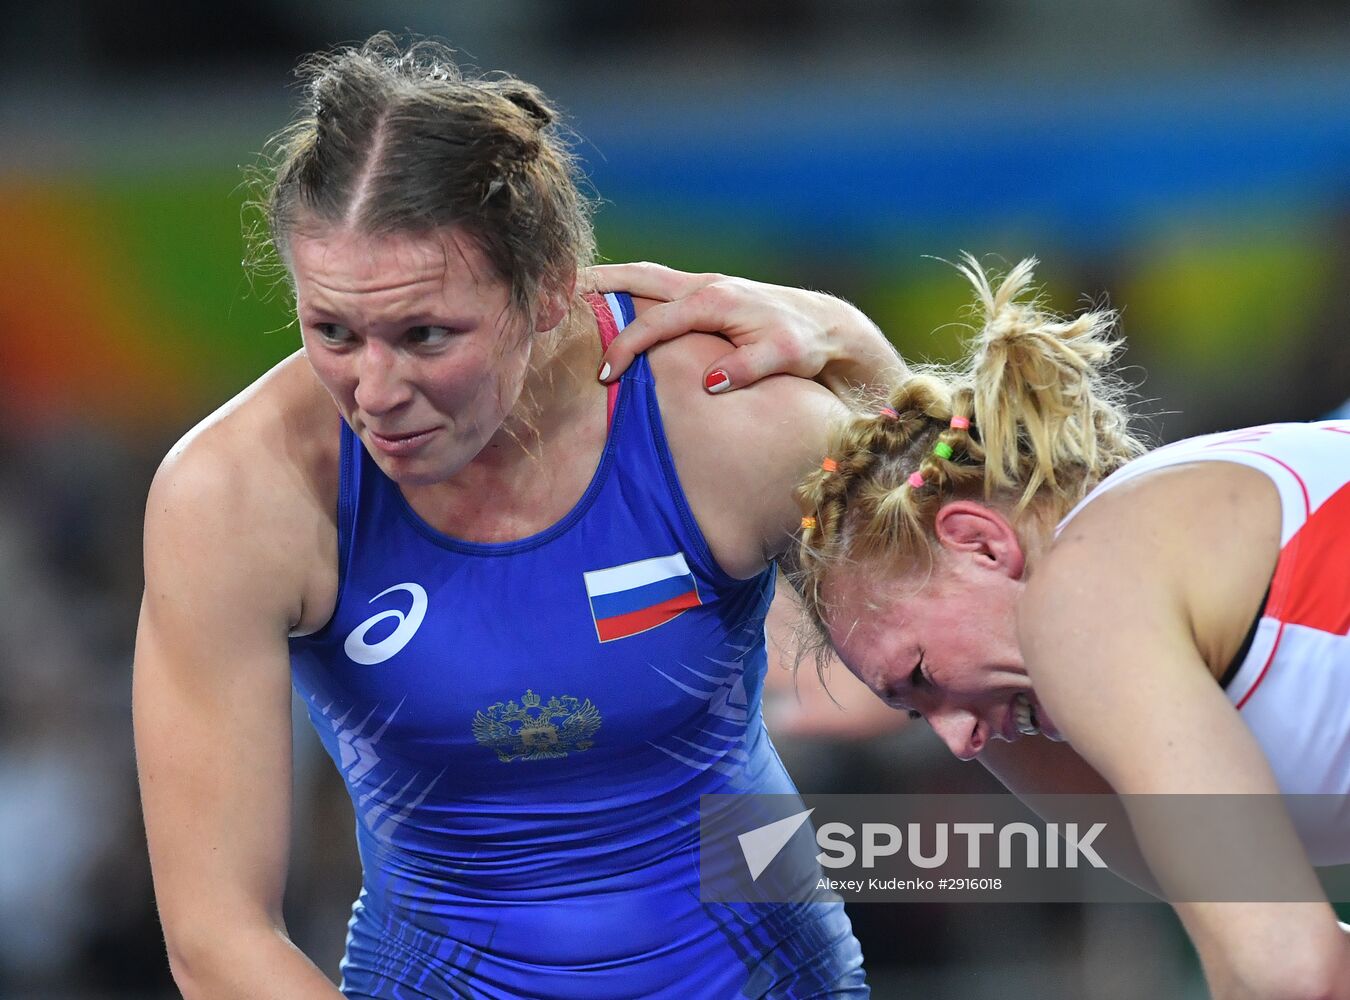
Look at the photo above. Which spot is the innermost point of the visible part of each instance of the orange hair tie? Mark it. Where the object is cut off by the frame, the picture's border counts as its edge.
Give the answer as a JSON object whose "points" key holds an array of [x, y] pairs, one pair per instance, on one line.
{"points": [[808, 523], [829, 465]]}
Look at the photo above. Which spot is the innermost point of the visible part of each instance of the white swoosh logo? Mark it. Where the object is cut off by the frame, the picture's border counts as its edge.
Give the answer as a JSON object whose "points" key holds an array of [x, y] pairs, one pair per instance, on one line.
{"points": [[356, 646]]}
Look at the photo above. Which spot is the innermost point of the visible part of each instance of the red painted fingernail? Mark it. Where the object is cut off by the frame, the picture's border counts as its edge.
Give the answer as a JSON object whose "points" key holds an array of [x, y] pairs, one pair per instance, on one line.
{"points": [[717, 381]]}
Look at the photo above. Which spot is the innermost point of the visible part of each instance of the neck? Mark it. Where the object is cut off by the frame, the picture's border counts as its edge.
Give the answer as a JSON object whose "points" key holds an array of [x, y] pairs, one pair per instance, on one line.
{"points": [[558, 390]]}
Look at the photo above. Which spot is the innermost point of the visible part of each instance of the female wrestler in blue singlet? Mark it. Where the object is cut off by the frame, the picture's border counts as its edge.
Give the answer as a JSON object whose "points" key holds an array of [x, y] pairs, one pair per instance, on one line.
{"points": [[525, 613]]}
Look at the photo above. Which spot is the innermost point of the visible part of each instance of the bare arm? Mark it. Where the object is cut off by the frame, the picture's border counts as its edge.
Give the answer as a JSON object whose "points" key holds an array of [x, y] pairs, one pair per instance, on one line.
{"points": [[1115, 660], [775, 329], [1038, 766], [211, 707]]}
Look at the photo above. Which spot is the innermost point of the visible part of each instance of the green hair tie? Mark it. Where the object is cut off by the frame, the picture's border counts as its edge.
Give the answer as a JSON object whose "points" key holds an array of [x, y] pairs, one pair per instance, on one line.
{"points": [[942, 449]]}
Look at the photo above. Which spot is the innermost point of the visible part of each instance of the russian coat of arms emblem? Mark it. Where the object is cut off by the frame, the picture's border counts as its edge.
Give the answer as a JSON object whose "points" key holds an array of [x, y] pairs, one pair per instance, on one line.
{"points": [[534, 729]]}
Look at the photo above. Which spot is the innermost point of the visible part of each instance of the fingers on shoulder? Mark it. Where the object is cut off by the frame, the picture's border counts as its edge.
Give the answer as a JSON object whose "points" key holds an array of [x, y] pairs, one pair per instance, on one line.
{"points": [[706, 304], [756, 360], [712, 303], [656, 322], [686, 357], [789, 416], [647, 279]]}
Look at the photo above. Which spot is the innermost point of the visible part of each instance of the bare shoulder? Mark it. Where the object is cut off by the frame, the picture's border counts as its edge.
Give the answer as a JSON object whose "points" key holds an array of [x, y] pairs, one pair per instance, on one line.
{"points": [[251, 491], [740, 454], [1207, 499], [1192, 545], [277, 438]]}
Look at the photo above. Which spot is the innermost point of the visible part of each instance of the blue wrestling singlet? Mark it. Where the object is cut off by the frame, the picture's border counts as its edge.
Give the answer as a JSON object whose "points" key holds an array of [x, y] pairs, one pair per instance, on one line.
{"points": [[525, 729]]}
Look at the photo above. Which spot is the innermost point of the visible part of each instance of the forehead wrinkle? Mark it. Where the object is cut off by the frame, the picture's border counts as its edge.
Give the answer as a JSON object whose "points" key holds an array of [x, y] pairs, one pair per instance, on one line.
{"points": [[360, 262], [388, 306], [370, 290]]}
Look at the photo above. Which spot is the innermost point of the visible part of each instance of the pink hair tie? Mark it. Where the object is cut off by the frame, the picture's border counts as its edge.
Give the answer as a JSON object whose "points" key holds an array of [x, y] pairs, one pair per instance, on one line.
{"points": [[889, 413], [915, 480], [961, 423]]}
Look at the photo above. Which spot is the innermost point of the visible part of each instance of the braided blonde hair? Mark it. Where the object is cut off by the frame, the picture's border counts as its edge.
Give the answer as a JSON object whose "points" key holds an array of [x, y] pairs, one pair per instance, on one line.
{"points": [[1040, 417]]}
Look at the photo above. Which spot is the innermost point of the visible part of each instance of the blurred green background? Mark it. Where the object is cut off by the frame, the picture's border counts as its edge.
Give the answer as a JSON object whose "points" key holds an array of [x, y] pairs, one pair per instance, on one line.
{"points": [[1187, 161]]}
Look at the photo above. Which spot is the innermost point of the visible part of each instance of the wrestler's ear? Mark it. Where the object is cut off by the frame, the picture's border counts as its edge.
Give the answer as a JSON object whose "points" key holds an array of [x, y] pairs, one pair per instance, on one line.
{"points": [[981, 534], [553, 303]]}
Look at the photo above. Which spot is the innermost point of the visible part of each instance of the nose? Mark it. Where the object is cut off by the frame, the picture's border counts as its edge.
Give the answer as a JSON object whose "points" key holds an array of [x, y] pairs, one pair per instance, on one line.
{"points": [[961, 730], [380, 386]]}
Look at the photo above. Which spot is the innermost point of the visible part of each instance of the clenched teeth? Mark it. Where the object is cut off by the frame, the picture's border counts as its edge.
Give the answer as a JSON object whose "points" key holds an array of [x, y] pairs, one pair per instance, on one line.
{"points": [[1024, 714]]}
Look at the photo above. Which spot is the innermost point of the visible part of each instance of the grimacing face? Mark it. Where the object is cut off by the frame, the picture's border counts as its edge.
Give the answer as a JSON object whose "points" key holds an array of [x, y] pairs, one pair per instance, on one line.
{"points": [[414, 337], [941, 641]]}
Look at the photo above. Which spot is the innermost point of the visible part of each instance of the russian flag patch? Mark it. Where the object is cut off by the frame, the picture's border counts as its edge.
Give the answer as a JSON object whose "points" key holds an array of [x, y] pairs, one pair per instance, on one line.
{"points": [[638, 596]]}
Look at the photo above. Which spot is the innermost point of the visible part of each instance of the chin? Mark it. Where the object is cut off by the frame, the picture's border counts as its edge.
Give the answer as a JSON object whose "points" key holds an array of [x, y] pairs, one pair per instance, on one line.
{"points": [[411, 478], [413, 472]]}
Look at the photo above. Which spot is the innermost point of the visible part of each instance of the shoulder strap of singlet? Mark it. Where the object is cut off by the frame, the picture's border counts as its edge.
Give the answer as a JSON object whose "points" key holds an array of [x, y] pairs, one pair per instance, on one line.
{"points": [[604, 307], [349, 489]]}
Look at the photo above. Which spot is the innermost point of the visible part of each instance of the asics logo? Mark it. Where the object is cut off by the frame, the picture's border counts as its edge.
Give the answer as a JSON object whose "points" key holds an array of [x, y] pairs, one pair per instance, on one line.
{"points": [[409, 622]]}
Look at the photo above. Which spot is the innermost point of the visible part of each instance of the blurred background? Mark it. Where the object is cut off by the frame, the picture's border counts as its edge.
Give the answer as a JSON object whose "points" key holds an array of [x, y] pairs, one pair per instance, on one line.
{"points": [[1190, 159]]}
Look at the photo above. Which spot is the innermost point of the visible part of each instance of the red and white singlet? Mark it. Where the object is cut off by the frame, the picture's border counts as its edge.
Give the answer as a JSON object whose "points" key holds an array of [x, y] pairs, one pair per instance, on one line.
{"points": [[1293, 686]]}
